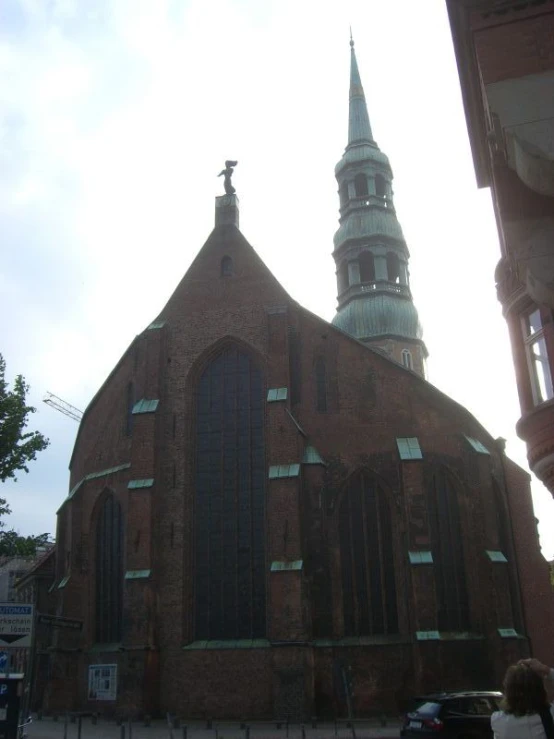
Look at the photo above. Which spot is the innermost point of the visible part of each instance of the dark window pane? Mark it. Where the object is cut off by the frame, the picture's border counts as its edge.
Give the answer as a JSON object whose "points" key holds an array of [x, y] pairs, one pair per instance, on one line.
{"points": [[230, 500], [109, 572], [367, 564], [446, 538]]}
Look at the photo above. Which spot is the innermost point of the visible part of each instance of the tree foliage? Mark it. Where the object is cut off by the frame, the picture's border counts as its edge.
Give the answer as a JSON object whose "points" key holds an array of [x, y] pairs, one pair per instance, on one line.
{"points": [[17, 446], [12, 544]]}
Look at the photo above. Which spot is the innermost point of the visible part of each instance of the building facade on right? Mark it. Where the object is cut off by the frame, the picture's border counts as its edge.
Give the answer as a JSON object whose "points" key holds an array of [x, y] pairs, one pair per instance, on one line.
{"points": [[505, 55]]}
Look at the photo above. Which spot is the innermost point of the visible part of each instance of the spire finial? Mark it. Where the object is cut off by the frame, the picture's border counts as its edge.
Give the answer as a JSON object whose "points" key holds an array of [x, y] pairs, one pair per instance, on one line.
{"points": [[351, 39]]}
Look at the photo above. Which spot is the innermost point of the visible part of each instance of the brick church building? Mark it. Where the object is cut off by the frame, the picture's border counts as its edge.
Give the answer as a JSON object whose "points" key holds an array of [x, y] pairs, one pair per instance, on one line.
{"points": [[270, 515]]}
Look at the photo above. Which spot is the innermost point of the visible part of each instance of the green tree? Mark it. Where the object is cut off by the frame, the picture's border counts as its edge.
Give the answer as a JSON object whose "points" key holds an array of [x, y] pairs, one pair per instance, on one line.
{"points": [[12, 544], [17, 446]]}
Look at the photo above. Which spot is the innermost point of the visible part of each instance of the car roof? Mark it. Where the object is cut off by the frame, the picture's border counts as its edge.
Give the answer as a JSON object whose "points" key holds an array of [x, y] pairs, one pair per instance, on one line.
{"points": [[459, 694]]}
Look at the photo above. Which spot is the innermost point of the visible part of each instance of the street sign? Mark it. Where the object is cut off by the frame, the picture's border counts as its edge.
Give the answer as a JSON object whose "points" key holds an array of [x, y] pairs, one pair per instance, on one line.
{"points": [[16, 624], [59, 622], [3, 661]]}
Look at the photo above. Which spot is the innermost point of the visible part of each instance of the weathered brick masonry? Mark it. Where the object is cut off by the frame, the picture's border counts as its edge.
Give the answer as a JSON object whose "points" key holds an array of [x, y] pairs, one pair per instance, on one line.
{"points": [[299, 666]]}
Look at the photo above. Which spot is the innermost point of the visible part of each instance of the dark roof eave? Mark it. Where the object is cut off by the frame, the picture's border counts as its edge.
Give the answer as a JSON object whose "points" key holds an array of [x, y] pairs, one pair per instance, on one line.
{"points": [[468, 72]]}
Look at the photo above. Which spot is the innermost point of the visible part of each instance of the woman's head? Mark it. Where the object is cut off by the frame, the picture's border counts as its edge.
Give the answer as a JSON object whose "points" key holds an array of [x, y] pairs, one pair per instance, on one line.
{"points": [[524, 691]]}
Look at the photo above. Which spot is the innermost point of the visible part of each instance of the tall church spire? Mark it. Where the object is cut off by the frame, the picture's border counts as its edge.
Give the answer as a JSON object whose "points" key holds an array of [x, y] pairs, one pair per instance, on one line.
{"points": [[374, 298], [359, 128]]}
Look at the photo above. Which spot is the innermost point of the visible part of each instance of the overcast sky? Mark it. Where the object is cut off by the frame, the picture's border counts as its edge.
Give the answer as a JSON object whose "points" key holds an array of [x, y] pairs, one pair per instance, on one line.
{"points": [[117, 115]]}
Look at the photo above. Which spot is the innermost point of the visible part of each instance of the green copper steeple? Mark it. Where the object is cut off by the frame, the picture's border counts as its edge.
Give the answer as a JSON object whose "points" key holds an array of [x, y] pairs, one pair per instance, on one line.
{"points": [[359, 128], [374, 298]]}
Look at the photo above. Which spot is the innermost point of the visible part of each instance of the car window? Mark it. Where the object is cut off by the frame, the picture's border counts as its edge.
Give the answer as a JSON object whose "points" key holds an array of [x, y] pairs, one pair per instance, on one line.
{"points": [[453, 708], [479, 706], [428, 707]]}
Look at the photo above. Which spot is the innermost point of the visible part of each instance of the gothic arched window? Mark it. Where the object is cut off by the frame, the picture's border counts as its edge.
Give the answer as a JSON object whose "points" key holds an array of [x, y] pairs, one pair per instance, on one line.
{"points": [[229, 535], [360, 185], [506, 547], [109, 571], [367, 267], [367, 560], [321, 385], [448, 554], [407, 360]]}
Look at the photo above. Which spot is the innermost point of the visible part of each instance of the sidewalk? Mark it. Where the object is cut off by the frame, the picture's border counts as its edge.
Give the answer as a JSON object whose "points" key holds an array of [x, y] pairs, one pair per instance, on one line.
{"points": [[50, 729]]}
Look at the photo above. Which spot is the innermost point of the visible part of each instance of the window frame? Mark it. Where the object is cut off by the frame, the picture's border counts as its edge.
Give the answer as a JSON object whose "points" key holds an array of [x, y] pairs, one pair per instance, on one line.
{"points": [[407, 359], [531, 339]]}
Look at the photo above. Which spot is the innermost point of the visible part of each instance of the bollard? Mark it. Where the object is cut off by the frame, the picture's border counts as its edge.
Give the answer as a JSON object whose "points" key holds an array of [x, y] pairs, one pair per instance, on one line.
{"points": [[65, 727], [72, 718], [94, 719], [147, 719], [383, 720], [353, 731], [247, 733], [335, 727], [314, 722], [216, 733], [208, 723], [287, 728], [130, 728], [122, 731], [39, 715], [303, 729], [176, 722], [79, 727], [184, 732]]}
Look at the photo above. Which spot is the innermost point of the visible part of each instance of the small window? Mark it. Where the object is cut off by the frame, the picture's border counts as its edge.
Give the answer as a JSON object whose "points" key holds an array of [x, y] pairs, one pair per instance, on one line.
{"points": [[537, 357], [360, 186], [407, 359], [393, 268], [226, 267], [367, 267], [380, 186]]}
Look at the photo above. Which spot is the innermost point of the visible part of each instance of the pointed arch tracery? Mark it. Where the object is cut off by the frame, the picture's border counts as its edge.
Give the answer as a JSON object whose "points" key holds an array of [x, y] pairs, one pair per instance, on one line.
{"points": [[448, 553], [229, 515], [367, 558], [109, 568]]}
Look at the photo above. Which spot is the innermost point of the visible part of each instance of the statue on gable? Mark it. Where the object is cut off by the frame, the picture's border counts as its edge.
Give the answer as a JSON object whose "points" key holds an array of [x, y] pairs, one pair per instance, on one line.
{"points": [[227, 174]]}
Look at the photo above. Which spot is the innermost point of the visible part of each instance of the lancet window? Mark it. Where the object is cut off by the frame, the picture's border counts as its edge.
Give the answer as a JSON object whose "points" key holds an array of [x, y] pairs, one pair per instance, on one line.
{"points": [[367, 558], [109, 571], [229, 548]]}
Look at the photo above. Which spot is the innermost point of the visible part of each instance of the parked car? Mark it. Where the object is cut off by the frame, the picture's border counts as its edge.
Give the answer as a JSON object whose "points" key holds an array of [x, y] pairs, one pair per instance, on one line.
{"points": [[462, 715]]}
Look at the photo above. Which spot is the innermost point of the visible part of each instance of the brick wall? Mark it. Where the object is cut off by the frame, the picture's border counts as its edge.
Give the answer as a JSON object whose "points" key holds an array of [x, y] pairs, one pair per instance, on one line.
{"points": [[370, 402]]}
